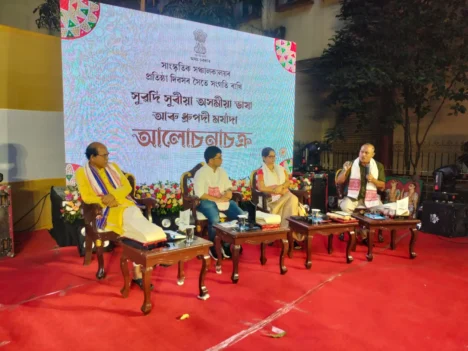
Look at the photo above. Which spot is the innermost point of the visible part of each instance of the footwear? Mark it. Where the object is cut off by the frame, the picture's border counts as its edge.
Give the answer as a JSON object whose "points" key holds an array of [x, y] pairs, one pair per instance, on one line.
{"points": [[139, 282], [213, 254], [341, 237], [297, 246], [226, 250]]}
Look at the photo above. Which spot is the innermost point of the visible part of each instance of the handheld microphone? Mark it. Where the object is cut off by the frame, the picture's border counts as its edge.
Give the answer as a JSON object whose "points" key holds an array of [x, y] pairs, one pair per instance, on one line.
{"points": [[367, 170]]}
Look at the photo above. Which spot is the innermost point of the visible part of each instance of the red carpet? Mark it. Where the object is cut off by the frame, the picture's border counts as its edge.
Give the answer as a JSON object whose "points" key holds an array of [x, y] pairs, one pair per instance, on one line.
{"points": [[50, 301]]}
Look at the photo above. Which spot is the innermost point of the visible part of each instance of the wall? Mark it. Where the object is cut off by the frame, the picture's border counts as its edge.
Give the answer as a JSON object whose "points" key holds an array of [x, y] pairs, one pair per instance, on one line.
{"points": [[443, 143], [310, 26], [32, 153], [19, 14]]}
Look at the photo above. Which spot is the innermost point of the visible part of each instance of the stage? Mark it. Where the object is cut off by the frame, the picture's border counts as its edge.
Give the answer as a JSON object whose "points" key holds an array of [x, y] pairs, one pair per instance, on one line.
{"points": [[50, 301]]}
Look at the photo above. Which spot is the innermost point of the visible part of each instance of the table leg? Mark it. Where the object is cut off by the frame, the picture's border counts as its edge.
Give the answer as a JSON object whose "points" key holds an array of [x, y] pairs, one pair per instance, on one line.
{"points": [[201, 281], [283, 269], [219, 254], [308, 240], [146, 307], [414, 237], [235, 264], [181, 274], [126, 275], [370, 244], [330, 244], [291, 244], [393, 239], [351, 244], [263, 259], [100, 274]]}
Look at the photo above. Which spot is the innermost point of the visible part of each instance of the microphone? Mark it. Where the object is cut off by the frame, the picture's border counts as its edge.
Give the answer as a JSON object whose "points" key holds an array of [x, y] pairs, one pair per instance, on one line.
{"points": [[367, 170]]}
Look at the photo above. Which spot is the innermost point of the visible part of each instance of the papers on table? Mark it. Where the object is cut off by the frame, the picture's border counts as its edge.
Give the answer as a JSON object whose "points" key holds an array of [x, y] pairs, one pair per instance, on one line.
{"points": [[231, 224], [174, 235], [184, 219], [400, 207], [267, 218]]}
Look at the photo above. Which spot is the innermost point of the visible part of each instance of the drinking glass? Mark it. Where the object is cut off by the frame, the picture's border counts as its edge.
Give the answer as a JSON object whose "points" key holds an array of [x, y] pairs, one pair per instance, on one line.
{"points": [[315, 215], [242, 222], [190, 233]]}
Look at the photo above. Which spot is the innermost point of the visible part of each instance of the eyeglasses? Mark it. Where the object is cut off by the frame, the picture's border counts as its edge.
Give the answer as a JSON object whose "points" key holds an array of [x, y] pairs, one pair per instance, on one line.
{"points": [[274, 156], [104, 155]]}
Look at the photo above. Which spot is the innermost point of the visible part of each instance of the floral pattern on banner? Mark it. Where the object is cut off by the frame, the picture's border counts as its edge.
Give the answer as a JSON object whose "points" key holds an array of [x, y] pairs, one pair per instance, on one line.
{"points": [[71, 208], [78, 18], [286, 54]]}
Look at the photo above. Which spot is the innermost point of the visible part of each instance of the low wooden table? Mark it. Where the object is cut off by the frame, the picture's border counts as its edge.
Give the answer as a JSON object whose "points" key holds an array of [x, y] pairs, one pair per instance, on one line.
{"points": [[236, 238], [393, 225], [176, 252], [309, 230]]}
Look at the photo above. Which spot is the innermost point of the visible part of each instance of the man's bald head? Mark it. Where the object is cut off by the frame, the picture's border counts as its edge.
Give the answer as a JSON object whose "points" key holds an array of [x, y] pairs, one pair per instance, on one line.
{"points": [[97, 155], [92, 149], [366, 153], [369, 145]]}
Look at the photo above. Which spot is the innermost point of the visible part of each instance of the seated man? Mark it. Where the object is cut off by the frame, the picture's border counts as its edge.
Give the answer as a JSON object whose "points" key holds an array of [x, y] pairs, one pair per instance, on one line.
{"points": [[213, 187], [364, 177], [103, 183]]}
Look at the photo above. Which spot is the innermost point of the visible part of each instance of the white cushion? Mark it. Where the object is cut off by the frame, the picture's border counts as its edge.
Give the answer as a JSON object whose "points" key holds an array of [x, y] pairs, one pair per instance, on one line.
{"points": [[201, 216]]}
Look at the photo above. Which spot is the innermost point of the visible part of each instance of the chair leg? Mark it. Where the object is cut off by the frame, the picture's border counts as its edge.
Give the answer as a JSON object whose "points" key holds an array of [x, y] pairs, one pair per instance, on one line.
{"points": [[100, 274], [88, 250], [330, 244]]}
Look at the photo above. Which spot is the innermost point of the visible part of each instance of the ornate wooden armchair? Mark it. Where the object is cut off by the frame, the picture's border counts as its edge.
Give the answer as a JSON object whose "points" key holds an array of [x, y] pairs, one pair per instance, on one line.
{"points": [[93, 235], [191, 202], [340, 188], [261, 199]]}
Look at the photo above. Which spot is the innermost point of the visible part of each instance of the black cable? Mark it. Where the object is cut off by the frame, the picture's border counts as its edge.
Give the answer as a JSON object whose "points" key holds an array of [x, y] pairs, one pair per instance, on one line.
{"points": [[38, 218], [22, 217]]}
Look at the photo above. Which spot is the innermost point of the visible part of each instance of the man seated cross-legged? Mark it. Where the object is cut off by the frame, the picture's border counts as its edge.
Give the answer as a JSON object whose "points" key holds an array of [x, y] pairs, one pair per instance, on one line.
{"points": [[103, 183], [213, 187]]}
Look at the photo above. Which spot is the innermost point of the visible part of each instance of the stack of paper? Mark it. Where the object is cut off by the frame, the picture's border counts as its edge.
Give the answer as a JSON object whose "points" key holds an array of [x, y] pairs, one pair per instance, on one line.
{"points": [[267, 218], [340, 214], [231, 224]]}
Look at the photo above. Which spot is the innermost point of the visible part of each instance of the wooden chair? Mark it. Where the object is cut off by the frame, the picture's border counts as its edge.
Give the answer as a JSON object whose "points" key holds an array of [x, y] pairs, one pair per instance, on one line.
{"points": [[340, 194], [93, 235], [260, 198], [191, 201]]}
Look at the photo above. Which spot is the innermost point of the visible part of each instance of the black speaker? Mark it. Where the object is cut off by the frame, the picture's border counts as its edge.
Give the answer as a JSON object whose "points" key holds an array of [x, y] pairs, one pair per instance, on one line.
{"points": [[319, 193], [446, 219]]}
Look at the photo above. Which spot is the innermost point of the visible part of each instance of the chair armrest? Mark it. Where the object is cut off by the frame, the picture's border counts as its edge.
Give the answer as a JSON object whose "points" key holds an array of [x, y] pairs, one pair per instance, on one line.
{"points": [[302, 195], [90, 212], [191, 202], [237, 196], [265, 196], [339, 187], [148, 202]]}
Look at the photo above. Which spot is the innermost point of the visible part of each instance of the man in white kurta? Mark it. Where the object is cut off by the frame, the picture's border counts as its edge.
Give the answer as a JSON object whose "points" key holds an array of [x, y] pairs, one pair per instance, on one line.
{"points": [[213, 187]]}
